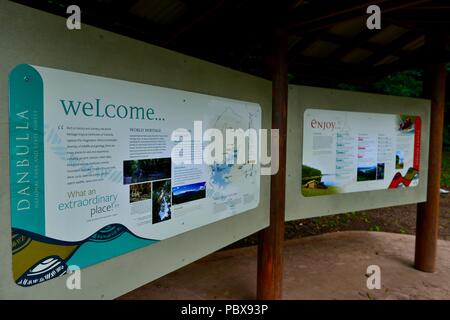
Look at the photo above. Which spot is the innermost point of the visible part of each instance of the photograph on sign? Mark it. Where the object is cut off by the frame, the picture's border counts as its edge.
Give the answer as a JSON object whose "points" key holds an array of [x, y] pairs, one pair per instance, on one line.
{"points": [[347, 152], [92, 170]]}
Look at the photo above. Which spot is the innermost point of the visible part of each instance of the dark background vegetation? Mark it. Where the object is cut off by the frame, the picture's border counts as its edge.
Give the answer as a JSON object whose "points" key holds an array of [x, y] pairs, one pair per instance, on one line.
{"points": [[407, 83], [400, 219]]}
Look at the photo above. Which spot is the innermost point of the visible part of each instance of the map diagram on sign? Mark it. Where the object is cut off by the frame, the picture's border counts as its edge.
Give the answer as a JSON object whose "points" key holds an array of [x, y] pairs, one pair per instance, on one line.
{"points": [[229, 179]]}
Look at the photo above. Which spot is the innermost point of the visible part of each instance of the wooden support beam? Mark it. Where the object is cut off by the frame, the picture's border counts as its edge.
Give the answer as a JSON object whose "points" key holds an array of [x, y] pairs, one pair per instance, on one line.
{"points": [[373, 74], [428, 212], [114, 17], [347, 41], [317, 18], [296, 50], [301, 69], [401, 23], [192, 21], [415, 60], [392, 48], [357, 41], [303, 19], [324, 66], [271, 239]]}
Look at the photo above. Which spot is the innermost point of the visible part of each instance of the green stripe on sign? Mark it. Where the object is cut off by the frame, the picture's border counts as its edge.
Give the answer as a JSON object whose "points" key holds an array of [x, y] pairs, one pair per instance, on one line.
{"points": [[26, 147]]}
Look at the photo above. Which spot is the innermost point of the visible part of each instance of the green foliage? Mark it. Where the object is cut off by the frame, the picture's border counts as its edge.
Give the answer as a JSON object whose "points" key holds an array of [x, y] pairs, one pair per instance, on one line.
{"points": [[347, 86], [407, 83], [290, 77], [128, 168], [445, 175], [309, 173], [447, 136], [319, 192]]}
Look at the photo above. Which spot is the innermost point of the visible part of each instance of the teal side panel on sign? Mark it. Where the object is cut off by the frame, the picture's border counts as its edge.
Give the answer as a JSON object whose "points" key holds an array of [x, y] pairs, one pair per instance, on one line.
{"points": [[26, 143], [90, 253]]}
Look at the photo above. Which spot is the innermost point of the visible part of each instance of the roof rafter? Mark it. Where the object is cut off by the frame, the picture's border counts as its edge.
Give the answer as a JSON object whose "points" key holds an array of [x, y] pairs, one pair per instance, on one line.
{"points": [[357, 41], [302, 21], [192, 20], [392, 48], [303, 44]]}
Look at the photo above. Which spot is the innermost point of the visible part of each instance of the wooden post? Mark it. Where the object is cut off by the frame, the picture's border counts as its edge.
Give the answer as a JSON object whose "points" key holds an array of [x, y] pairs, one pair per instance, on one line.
{"points": [[271, 239], [428, 212]]}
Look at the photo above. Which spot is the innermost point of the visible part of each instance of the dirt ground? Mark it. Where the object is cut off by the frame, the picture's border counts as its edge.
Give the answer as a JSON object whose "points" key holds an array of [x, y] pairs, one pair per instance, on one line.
{"points": [[319, 267], [400, 219]]}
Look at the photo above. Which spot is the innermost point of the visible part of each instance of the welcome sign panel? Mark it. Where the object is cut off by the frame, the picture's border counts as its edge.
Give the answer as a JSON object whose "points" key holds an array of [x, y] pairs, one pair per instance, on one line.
{"points": [[347, 152], [92, 175]]}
